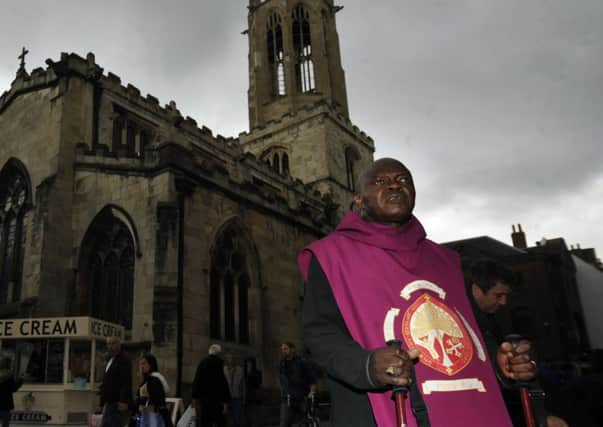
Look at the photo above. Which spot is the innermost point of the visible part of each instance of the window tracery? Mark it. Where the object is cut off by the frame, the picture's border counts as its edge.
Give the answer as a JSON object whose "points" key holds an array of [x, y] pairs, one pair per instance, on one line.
{"points": [[302, 47], [107, 275], [229, 287], [278, 159], [14, 203], [276, 55]]}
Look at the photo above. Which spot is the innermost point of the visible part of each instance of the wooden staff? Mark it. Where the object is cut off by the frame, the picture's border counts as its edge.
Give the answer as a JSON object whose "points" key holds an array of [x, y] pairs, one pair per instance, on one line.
{"points": [[399, 394]]}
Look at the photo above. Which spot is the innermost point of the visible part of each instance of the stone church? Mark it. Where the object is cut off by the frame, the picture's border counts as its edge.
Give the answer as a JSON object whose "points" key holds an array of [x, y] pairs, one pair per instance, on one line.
{"points": [[116, 207]]}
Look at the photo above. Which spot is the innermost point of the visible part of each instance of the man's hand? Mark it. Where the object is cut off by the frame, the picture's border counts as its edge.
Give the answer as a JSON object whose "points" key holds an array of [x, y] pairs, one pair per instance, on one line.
{"points": [[515, 362], [392, 366], [552, 421], [225, 409], [122, 407]]}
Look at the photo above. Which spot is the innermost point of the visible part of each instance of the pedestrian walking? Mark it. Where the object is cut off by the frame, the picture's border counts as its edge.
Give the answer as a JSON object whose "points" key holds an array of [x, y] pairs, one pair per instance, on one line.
{"points": [[210, 390], [116, 388], [151, 407], [297, 382]]}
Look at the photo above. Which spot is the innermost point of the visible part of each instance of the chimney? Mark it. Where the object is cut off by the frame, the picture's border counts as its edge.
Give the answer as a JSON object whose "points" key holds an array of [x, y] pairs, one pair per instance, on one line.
{"points": [[518, 237]]}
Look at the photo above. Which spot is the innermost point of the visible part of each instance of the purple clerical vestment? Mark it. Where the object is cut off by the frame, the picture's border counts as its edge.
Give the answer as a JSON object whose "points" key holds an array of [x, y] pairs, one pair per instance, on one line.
{"points": [[393, 283]]}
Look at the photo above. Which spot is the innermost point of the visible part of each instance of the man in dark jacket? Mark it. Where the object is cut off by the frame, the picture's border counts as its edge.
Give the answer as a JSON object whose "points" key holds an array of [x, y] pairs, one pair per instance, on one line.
{"points": [[297, 381], [210, 390], [488, 288], [116, 388], [8, 385]]}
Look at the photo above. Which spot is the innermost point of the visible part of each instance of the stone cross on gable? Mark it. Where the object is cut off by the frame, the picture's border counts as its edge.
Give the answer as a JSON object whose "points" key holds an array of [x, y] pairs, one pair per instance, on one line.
{"points": [[22, 58], [21, 71]]}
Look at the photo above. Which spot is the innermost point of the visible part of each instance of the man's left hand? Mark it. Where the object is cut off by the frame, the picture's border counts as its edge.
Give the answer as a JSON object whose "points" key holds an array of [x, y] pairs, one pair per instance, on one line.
{"points": [[121, 406], [515, 362]]}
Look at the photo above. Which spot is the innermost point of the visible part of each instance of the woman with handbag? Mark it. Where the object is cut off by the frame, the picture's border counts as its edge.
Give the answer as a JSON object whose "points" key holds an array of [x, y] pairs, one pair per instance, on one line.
{"points": [[150, 396]]}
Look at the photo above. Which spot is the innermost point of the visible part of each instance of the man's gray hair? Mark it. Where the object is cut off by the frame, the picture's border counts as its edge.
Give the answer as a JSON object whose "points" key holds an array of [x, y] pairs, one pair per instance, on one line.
{"points": [[215, 349]]}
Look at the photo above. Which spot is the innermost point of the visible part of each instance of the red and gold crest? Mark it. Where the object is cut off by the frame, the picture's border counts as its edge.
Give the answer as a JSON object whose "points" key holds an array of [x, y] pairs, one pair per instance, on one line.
{"points": [[432, 326]]}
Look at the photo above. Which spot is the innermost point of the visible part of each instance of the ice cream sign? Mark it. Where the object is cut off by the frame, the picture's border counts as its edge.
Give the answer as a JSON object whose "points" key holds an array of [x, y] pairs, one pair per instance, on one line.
{"points": [[55, 327]]}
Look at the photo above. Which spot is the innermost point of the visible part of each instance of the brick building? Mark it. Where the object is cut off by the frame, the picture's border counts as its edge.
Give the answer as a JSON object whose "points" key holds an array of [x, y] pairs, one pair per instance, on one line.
{"points": [[546, 307]]}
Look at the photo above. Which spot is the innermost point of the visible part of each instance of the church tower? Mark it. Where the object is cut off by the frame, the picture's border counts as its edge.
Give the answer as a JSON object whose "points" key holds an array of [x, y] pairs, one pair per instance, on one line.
{"points": [[294, 58], [298, 108]]}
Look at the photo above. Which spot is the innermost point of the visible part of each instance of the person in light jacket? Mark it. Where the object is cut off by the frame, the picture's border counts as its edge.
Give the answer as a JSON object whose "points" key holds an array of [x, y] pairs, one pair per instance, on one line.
{"points": [[151, 393]]}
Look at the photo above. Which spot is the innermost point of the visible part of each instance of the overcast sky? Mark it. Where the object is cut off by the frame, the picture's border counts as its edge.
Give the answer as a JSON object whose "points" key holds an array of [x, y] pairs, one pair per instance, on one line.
{"points": [[496, 106]]}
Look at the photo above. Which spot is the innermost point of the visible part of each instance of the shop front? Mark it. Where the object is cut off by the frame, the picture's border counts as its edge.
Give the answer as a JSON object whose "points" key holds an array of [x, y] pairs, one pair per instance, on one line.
{"points": [[61, 361]]}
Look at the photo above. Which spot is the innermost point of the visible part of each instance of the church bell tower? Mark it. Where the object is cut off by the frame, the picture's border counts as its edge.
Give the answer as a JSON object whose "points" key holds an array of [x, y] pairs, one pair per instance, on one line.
{"points": [[298, 109], [294, 58]]}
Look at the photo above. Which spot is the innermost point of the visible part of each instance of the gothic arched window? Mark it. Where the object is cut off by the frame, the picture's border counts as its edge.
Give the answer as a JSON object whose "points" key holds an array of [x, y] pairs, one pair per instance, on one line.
{"points": [[106, 276], [15, 196], [278, 159], [351, 160], [276, 55], [229, 286], [302, 47]]}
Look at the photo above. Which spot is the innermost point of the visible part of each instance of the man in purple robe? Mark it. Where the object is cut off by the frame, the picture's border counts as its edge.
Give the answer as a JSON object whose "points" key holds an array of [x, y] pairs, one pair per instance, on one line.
{"points": [[377, 278]]}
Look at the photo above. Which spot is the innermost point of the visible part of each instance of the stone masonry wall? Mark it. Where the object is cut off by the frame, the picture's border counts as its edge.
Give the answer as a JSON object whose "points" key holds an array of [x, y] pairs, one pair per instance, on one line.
{"points": [[30, 131], [276, 288]]}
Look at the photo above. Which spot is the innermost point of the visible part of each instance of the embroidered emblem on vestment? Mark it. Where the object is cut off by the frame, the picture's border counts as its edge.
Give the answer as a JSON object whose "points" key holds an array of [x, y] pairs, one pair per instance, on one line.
{"points": [[442, 334], [432, 325]]}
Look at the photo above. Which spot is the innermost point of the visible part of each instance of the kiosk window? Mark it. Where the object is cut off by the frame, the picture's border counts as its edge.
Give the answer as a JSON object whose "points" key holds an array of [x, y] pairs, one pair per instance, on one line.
{"points": [[38, 361], [79, 360]]}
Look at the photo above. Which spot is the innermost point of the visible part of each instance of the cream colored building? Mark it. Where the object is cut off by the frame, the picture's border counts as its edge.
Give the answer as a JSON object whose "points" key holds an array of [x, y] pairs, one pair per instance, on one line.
{"points": [[116, 207]]}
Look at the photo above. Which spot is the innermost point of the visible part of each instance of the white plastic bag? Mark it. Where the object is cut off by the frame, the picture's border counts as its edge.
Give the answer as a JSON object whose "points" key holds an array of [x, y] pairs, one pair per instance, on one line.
{"points": [[188, 418]]}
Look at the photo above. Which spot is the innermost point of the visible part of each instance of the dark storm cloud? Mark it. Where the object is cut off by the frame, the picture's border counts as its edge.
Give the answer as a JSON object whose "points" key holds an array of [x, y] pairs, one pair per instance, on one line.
{"points": [[495, 106]]}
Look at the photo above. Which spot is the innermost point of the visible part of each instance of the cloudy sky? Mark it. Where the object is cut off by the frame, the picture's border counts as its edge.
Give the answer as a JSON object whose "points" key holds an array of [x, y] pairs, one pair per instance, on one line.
{"points": [[496, 106]]}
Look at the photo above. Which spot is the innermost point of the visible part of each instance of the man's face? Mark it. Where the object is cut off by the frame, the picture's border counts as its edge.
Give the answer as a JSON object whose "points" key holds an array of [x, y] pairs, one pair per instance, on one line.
{"points": [[388, 193], [491, 301], [113, 346], [286, 351]]}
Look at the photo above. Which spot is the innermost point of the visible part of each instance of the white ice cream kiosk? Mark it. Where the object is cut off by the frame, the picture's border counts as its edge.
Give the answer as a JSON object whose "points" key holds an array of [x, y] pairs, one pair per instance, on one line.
{"points": [[62, 361]]}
